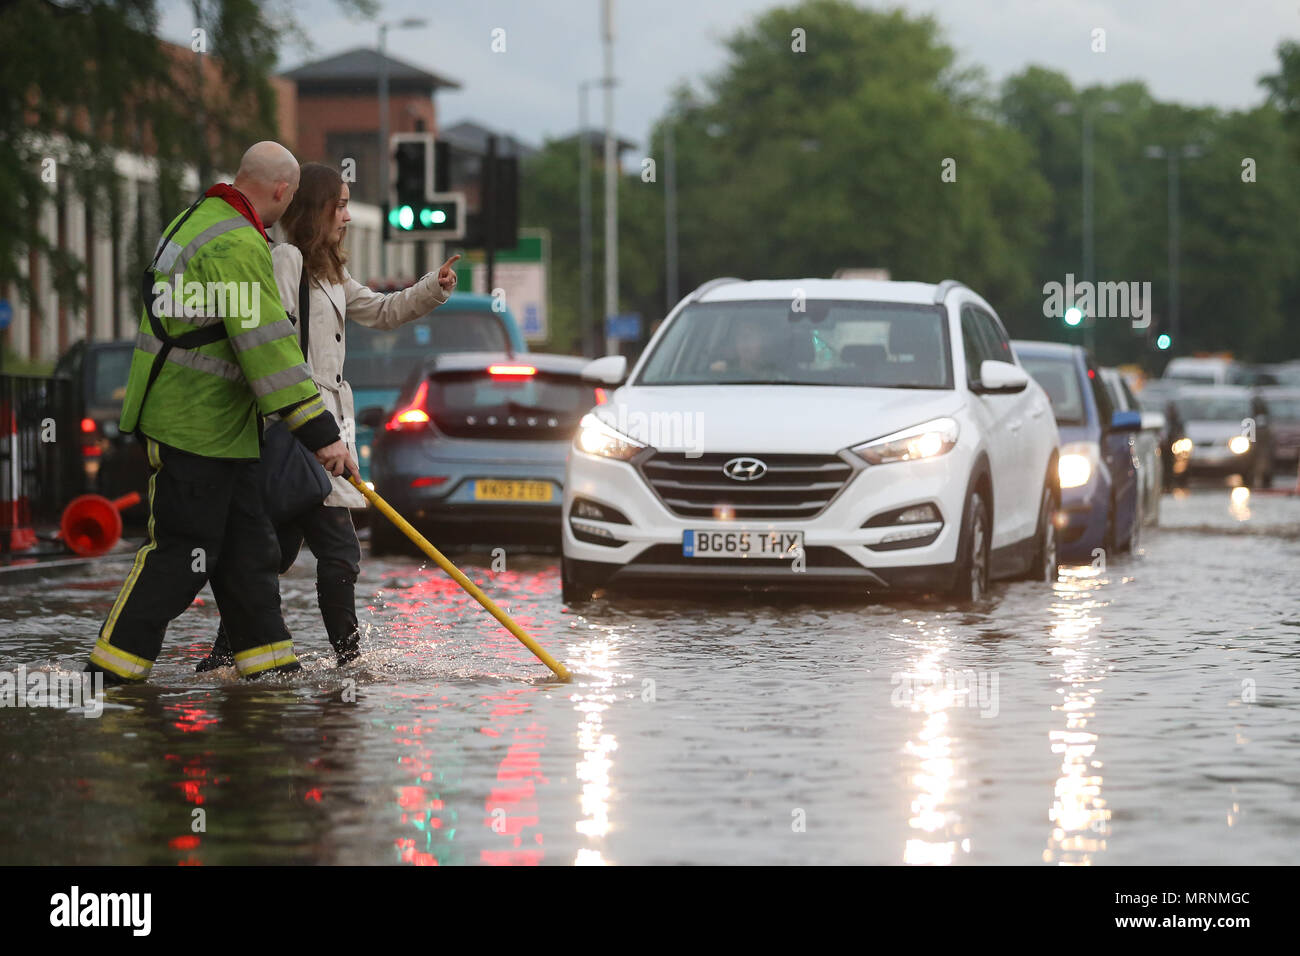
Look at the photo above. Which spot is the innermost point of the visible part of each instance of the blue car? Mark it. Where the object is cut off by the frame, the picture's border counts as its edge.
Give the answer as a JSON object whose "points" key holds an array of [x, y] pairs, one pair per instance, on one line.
{"points": [[379, 361], [1101, 506]]}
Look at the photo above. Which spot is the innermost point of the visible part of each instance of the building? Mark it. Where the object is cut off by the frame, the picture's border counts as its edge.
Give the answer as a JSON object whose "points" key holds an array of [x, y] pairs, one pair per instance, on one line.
{"points": [[111, 239], [338, 120]]}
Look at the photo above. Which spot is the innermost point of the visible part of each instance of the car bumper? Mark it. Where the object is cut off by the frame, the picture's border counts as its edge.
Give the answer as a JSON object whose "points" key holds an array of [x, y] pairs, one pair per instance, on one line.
{"points": [[838, 551], [1084, 511]]}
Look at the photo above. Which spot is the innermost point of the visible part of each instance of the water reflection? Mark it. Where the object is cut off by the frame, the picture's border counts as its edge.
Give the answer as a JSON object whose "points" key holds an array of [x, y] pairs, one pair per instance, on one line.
{"points": [[937, 825], [1078, 812], [592, 699]]}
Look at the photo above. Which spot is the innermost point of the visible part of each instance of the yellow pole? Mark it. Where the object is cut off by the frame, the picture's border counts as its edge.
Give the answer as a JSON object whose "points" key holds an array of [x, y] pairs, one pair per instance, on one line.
{"points": [[459, 577]]}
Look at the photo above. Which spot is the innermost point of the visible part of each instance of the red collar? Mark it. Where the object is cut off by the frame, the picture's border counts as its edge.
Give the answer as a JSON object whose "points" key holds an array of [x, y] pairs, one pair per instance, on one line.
{"points": [[239, 202]]}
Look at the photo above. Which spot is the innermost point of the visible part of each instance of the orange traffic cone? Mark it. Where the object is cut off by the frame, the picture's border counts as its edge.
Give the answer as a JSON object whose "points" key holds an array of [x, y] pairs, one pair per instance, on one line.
{"points": [[91, 524]]}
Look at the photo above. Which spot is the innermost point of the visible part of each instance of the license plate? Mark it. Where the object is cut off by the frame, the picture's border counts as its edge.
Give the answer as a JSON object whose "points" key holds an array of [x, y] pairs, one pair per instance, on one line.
{"points": [[498, 490], [741, 544]]}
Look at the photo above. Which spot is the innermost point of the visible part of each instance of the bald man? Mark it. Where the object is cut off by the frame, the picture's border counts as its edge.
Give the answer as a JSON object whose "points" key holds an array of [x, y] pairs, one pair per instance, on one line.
{"points": [[211, 360]]}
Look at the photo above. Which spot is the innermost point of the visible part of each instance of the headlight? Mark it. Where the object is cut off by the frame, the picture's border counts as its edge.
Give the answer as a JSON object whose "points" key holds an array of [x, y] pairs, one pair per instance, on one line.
{"points": [[596, 438], [1077, 462], [928, 440], [1239, 444], [1182, 446]]}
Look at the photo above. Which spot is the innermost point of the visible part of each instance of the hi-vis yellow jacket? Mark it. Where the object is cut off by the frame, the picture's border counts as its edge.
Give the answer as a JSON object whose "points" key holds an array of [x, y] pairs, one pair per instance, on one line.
{"points": [[216, 268]]}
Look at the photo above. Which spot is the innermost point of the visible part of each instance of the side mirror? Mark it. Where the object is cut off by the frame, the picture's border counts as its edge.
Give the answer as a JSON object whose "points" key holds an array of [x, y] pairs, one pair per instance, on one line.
{"points": [[372, 417], [1000, 377], [610, 370], [1126, 421]]}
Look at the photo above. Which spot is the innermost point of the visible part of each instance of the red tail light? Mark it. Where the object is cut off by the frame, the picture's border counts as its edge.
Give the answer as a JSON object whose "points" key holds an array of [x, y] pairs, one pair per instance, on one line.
{"points": [[601, 396], [512, 370], [90, 447], [429, 481], [413, 416]]}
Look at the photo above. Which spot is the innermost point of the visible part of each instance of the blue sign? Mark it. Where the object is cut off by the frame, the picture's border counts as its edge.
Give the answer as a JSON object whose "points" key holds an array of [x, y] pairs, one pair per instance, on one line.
{"points": [[6, 314], [532, 320], [623, 326]]}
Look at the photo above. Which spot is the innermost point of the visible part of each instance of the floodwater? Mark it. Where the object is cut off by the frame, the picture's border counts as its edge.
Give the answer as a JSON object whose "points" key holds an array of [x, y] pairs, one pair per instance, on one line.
{"points": [[1147, 712]]}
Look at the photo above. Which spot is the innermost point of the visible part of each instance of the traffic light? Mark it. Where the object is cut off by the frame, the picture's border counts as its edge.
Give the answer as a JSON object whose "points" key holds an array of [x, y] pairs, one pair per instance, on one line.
{"points": [[442, 217], [1163, 341], [1073, 316], [412, 168]]}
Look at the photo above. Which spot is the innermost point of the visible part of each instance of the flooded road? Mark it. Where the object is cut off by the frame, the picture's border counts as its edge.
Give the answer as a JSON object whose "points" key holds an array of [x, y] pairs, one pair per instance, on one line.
{"points": [[1144, 712]]}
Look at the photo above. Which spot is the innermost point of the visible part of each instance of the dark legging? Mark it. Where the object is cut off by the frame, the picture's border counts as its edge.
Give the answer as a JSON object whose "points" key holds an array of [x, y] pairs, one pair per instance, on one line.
{"points": [[329, 533]]}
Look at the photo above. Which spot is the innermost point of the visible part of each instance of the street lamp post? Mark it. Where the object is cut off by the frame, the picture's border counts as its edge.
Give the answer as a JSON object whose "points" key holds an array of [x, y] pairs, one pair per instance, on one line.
{"points": [[590, 338], [408, 23], [611, 178], [1087, 117], [1173, 155]]}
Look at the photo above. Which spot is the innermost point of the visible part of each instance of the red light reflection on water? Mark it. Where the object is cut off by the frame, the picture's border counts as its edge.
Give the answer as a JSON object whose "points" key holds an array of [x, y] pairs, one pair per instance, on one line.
{"points": [[511, 806]]}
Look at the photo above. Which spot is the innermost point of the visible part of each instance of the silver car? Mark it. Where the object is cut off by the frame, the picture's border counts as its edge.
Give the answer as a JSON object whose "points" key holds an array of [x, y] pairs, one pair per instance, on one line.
{"points": [[474, 452]]}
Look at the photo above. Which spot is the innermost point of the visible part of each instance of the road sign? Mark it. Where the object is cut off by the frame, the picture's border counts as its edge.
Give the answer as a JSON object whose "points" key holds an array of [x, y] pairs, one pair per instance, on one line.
{"points": [[6, 314], [623, 326], [524, 274]]}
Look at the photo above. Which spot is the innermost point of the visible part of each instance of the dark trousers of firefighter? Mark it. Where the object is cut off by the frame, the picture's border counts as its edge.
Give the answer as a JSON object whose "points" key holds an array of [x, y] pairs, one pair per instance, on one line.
{"points": [[206, 524], [330, 535]]}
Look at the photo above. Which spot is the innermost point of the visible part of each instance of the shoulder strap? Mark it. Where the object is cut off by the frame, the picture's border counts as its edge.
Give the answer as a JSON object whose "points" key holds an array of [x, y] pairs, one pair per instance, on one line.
{"points": [[189, 340], [304, 314]]}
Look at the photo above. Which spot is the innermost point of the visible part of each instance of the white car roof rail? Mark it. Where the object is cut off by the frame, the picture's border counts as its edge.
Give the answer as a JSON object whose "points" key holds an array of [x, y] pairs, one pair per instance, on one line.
{"points": [[944, 287], [711, 284]]}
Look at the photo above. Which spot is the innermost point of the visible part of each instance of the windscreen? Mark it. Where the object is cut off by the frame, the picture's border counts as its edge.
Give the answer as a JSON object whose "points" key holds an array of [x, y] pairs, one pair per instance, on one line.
{"points": [[481, 404], [1060, 380], [816, 342], [1285, 409], [108, 378], [383, 359], [1213, 408]]}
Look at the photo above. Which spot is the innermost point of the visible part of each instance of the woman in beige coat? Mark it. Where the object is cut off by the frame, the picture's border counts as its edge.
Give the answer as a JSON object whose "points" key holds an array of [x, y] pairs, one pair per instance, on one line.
{"points": [[315, 224]]}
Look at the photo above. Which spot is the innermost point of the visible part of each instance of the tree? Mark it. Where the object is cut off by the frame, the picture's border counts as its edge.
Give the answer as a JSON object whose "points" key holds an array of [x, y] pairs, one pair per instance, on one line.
{"points": [[82, 78]]}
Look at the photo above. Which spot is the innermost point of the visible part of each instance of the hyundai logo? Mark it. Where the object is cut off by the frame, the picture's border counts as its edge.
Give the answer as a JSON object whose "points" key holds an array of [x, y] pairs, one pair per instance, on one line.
{"points": [[744, 469]]}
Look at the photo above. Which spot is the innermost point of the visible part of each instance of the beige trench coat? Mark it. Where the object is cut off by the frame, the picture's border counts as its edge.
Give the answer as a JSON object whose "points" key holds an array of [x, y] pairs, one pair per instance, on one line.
{"points": [[331, 305]]}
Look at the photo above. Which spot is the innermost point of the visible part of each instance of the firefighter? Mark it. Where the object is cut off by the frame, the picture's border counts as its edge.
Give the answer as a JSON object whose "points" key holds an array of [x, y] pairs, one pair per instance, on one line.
{"points": [[215, 352]]}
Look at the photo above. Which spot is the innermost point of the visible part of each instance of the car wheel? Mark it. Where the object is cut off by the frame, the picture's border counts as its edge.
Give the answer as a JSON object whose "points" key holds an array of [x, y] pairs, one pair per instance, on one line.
{"points": [[973, 566], [1046, 564], [573, 589]]}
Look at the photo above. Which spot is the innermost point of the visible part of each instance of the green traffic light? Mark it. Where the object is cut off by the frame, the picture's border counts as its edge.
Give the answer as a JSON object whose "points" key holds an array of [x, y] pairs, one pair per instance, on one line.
{"points": [[1073, 315], [1163, 341], [406, 217]]}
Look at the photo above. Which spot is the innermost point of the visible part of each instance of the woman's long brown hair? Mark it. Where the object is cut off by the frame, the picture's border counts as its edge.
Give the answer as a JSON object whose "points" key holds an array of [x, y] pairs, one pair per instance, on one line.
{"points": [[309, 222]]}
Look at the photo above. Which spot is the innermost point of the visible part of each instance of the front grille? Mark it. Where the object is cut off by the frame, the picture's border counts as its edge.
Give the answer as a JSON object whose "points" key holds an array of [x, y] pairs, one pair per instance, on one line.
{"points": [[795, 486]]}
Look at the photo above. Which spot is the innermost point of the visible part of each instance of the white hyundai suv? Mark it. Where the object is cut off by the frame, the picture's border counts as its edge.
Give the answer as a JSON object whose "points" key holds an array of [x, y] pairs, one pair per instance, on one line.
{"points": [[848, 433]]}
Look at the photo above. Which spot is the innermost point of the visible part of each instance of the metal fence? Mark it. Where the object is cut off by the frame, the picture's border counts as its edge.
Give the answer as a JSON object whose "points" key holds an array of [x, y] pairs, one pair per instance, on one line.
{"points": [[40, 453]]}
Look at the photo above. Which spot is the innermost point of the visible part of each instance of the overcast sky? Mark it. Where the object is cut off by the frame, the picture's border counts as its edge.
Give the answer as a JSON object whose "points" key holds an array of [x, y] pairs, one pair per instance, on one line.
{"points": [[1197, 52]]}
